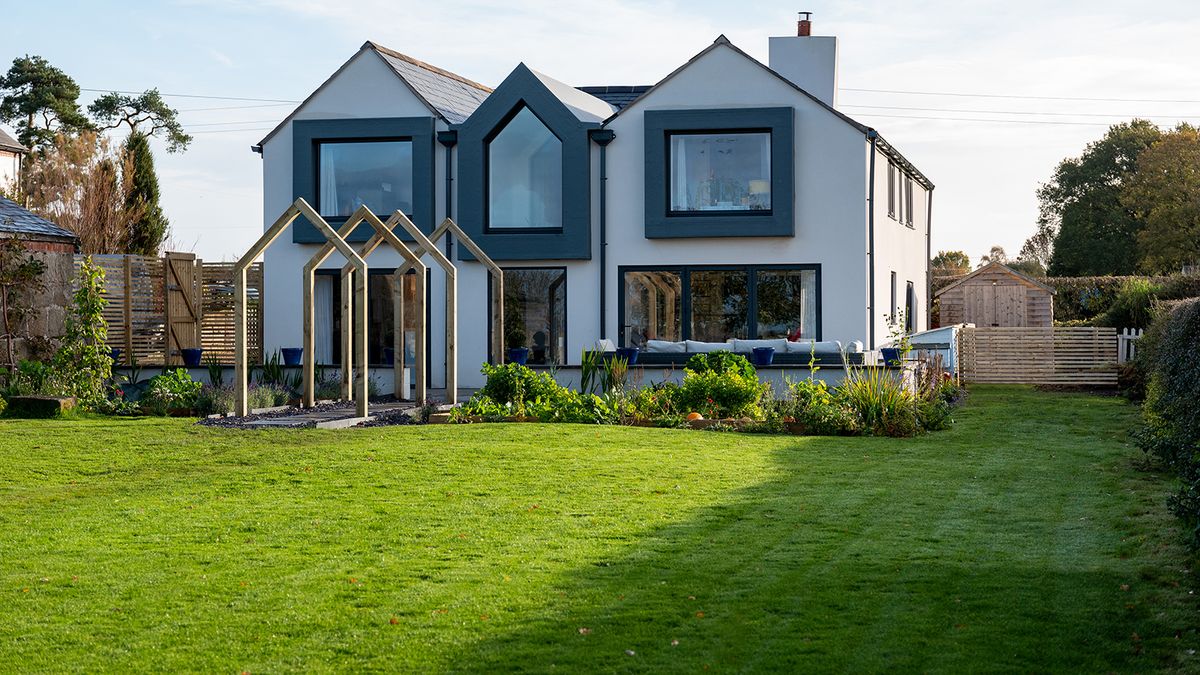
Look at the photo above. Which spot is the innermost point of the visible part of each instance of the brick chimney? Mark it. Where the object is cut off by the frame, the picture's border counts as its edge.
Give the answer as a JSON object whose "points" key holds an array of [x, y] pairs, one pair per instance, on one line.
{"points": [[808, 61]]}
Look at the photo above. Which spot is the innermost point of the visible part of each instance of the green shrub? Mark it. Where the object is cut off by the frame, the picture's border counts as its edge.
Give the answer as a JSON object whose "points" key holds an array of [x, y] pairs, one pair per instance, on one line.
{"points": [[811, 404], [1133, 306], [880, 402], [215, 400], [1167, 356], [717, 394], [84, 361], [34, 378], [173, 390], [653, 403], [267, 396], [720, 362], [515, 383]]}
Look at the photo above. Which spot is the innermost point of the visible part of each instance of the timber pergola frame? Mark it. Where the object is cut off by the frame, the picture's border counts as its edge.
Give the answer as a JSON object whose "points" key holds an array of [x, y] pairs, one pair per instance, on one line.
{"points": [[450, 228], [384, 233], [335, 242]]}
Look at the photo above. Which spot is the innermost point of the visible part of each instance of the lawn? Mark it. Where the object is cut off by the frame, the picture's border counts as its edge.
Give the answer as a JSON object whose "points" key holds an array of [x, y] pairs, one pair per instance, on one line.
{"points": [[1025, 538]]}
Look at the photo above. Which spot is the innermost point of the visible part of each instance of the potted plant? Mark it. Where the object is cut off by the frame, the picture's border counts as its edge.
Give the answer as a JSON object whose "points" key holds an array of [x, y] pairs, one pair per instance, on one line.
{"points": [[764, 356], [630, 354], [191, 356], [292, 356]]}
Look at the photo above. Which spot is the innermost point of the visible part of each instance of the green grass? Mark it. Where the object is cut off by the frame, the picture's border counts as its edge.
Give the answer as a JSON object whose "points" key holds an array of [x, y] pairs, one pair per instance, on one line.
{"points": [[1025, 538]]}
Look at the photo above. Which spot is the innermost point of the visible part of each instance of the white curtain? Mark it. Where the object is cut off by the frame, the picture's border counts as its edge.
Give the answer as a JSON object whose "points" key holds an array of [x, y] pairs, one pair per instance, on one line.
{"points": [[678, 168], [323, 318], [328, 197]]}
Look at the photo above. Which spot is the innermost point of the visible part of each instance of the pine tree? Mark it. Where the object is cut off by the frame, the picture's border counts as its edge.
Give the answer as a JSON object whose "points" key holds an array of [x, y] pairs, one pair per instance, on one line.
{"points": [[149, 231]]}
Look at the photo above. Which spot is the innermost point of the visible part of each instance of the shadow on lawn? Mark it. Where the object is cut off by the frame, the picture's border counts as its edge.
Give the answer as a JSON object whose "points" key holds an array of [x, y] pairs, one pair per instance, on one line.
{"points": [[781, 576]]}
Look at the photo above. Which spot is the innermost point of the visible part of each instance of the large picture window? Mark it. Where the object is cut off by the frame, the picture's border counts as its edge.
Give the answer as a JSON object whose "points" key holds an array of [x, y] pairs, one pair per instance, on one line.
{"points": [[525, 184], [720, 172], [380, 317], [378, 174], [535, 313], [715, 304]]}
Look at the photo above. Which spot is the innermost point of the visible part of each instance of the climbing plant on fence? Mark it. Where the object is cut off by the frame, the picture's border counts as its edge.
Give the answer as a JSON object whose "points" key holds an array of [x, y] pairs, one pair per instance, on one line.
{"points": [[84, 360]]}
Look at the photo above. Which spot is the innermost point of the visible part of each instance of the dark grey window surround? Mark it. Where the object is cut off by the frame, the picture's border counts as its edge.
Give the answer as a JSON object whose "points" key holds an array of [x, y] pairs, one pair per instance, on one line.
{"points": [[779, 221], [500, 358], [307, 134], [573, 242], [686, 304]]}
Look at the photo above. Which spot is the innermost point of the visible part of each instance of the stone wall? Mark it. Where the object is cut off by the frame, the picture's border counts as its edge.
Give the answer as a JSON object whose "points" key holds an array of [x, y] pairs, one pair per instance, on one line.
{"points": [[50, 305]]}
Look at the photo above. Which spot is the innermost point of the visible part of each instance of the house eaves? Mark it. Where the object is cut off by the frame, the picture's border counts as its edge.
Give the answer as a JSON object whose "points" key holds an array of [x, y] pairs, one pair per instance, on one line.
{"points": [[446, 104], [10, 144]]}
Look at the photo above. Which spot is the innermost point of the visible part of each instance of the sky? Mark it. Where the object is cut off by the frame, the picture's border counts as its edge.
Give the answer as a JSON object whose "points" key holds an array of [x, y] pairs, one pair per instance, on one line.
{"points": [[1008, 88]]}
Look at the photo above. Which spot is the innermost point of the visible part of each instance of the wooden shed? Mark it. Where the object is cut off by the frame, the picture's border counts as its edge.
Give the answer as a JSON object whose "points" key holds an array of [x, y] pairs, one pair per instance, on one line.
{"points": [[995, 295]]}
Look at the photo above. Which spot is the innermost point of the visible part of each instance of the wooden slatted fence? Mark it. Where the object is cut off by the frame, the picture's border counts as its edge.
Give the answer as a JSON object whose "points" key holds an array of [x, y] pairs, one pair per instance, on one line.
{"points": [[1083, 356], [137, 289]]}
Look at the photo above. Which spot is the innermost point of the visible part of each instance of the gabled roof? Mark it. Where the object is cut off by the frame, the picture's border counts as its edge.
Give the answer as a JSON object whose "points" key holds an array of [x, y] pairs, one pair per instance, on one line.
{"points": [[870, 133], [583, 105], [617, 96], [15, 220], [993, 266], [450, 97], [10, 144]]}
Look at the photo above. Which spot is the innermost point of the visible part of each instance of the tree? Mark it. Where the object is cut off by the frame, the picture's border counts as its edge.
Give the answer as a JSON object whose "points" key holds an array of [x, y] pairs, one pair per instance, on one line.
{"points": [[80, 183], [148, 231], [995, 254], [950, 263], [145, 113], [1039, 248], [1094, 234], [40, 101], [1164, 193]]}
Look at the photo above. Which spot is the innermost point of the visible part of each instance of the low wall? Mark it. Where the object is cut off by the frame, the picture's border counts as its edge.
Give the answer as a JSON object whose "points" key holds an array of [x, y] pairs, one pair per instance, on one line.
{"points": [[50, 305]]}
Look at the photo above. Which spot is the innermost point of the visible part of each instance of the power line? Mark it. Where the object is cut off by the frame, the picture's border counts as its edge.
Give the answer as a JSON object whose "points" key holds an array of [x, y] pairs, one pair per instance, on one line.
{"points": [[977, 119], [219, 98], [1018, 112], [218, 124], [1037, 98], [233, 107], [228, 131]]}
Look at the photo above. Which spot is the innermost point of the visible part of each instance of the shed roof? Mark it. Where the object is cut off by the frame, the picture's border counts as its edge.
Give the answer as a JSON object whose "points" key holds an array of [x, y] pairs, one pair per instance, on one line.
{"points": [[16, 220], [994, 266]]}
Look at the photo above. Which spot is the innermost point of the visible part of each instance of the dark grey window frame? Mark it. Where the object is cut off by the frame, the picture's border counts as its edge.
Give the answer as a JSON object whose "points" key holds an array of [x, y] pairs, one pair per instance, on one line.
{"points": [[307, 135], [685, 304], [487, 183], [499, 358], [779, 221], [574, 241]]}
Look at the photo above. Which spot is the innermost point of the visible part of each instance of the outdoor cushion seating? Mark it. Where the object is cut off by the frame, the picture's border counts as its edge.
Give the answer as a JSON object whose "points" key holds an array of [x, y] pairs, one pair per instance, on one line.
{"points": [[695, 347], [808, 346], [604, 345], [747, 346], [666, 346]]}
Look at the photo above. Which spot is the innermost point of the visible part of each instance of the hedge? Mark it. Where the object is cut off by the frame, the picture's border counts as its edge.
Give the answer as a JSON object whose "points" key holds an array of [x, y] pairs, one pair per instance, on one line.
{"points": [[1083, 298]]}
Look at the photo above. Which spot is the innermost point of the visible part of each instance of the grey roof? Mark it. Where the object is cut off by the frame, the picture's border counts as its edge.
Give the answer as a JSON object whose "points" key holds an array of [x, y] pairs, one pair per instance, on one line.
{"points": [[452, 96], [583, 105], [617, 96], [16, 220], [10, 144]]}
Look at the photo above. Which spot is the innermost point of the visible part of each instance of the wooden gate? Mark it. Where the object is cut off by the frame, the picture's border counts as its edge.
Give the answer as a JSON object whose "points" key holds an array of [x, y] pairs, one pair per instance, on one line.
{"points": [[1063, 356], [184, 311]]}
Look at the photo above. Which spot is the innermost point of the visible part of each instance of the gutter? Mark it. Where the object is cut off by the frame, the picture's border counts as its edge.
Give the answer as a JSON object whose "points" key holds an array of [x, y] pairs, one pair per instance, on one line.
{"points": [[872, 136], [603, 137], [928, 256], [449, 139]]}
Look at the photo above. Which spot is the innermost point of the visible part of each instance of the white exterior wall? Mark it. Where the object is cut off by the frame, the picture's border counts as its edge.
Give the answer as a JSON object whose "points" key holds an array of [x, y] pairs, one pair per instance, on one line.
{"points": [[901, 249], [830, 192], [10, 168], [366, 87]]}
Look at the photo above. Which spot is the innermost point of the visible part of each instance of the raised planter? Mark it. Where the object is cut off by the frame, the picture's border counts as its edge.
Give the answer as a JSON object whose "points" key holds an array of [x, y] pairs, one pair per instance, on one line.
{"points": [[39, 407]]}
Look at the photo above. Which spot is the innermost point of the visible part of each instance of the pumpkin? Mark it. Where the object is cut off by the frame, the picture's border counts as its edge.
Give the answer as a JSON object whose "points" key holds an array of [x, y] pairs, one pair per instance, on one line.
{"points": [[693, 416]]}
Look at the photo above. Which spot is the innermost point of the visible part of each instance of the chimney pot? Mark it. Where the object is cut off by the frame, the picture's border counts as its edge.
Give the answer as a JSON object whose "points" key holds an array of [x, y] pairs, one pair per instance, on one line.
{"points": [[804, 25]]}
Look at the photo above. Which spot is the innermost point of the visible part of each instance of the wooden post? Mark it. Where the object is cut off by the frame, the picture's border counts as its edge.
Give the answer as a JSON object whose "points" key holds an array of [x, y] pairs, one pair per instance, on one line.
{"points": [[421, 394], [128, 309], [362, 370], [241, 387], [348, 356], [451, 337], [398, 379], [310, 390]]}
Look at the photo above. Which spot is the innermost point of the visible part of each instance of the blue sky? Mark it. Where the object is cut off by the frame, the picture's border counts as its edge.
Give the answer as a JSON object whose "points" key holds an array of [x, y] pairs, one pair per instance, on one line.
{"points": [[986, 171]]}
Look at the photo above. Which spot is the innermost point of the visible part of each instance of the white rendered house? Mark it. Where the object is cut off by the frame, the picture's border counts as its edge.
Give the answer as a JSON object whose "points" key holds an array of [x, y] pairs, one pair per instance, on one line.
{"points": [[730, 201]]}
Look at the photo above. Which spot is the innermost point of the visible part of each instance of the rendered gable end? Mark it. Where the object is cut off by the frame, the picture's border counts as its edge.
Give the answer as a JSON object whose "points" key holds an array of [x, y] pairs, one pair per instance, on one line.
{"points": [[829, 194]]}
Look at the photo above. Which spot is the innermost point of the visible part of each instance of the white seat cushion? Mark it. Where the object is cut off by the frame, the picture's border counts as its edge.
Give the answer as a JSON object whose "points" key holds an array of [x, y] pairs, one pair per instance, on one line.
{"points": [[780, 345], [695, 347], [665, 346], [605, 345], [810, 346]]}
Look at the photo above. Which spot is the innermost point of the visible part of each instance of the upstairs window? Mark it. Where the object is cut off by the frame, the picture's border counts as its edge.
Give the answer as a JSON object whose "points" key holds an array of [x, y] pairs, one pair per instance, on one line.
{"points": [[378, 174], [524, 174], [720, 172], [908, 201], [891, 203]]}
